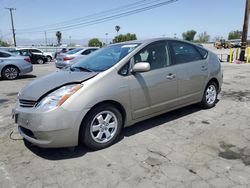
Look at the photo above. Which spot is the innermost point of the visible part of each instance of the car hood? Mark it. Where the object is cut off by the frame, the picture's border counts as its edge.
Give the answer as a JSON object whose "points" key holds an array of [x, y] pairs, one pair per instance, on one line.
{"points": [[36, 89]]}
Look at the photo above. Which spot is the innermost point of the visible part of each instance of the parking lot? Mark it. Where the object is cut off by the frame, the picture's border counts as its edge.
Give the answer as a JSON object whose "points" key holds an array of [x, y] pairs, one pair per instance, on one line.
{"points": [[189, 147]]}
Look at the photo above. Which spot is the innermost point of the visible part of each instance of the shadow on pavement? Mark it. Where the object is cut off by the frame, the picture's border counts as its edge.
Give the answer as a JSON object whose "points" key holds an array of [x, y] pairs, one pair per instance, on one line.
{"points": [[26, 76], [57, 153], [159, 120], [79, 151]]}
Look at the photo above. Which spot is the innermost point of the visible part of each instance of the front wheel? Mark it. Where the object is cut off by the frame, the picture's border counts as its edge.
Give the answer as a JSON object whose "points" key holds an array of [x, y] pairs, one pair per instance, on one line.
{"points": [[101, 127], [210, 95]]}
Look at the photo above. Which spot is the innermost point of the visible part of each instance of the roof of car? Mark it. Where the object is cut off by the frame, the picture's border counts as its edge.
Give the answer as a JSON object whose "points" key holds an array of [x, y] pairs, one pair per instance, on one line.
{"points": [[23, 48], [155, 40]]}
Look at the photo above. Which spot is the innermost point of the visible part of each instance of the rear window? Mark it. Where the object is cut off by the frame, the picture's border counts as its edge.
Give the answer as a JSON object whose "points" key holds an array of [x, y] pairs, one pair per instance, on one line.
{"points": [[2, 54], [74, 51], [203, 52]]}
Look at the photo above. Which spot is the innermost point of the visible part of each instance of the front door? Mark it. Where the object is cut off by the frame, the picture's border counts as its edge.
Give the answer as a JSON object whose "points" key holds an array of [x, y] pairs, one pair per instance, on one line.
{"points": [[155, 90]]}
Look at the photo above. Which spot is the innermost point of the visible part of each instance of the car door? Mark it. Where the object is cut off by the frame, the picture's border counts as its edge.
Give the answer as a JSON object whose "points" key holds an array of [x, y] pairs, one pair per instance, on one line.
{"points": [[192, 71], [155, 90], [2, 60]]}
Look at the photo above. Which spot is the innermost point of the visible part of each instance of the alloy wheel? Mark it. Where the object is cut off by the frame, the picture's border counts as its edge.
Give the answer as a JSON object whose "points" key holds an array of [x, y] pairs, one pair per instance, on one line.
{"points": [[103, 126], [211, 94]]}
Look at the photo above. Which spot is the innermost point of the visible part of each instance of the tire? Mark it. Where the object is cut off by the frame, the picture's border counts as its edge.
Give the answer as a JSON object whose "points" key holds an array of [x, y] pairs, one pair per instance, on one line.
{"points": [[96, 131], [210, 95], [40, 61], [49, 58], [10, 72]]}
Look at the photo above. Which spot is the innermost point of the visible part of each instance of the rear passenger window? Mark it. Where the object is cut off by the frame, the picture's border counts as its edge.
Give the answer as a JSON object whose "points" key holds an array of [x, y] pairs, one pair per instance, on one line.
{"points": [[86, 52], [184, 53], [35, 51], [203, 52]]}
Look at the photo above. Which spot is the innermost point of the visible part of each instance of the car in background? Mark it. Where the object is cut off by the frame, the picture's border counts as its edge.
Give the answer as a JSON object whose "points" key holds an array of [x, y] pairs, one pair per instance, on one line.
{"points": [[49, 55], [63, 51], [34, 57], [11, 66], [119, 85], [64, 60]]}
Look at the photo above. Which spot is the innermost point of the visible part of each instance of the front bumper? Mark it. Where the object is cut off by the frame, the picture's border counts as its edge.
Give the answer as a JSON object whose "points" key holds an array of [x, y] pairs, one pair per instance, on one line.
{"points": [[52, 129]]}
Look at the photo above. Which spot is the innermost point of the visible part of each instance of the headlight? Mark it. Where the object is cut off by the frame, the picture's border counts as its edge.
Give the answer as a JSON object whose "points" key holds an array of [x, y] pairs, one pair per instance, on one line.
{"points": [[58, 97]]}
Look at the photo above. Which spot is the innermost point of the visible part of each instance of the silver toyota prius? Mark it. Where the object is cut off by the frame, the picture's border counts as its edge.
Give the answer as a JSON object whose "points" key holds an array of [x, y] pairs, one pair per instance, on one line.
{"points": [[115, 87]]}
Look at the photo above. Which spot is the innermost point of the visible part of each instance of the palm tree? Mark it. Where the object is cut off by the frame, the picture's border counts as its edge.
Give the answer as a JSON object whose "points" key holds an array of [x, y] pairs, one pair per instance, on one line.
{"points": [[58, 37], [117, 28]]}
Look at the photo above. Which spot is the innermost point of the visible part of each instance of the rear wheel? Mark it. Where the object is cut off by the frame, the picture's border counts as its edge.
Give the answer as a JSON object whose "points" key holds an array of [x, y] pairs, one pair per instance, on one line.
{"points": [[210, 95], [40, 61], [101, 127], [10, 73]]}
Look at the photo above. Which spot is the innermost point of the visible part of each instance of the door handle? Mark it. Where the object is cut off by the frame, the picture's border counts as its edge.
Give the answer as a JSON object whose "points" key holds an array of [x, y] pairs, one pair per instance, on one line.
{"points": [[171, 76], [203, 68]]}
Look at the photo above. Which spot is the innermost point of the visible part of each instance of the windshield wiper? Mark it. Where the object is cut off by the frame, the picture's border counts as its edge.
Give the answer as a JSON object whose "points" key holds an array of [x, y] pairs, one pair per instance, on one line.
{"points": [[81, 69]]}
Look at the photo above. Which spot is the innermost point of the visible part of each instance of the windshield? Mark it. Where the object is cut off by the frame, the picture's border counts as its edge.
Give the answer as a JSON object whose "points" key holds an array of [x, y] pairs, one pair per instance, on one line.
{"points": [[74, 51], [105, 58]]}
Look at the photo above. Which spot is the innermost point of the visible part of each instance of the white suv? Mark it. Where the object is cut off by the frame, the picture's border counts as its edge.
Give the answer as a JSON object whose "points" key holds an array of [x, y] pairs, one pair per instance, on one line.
{"points": [[49, 55]]}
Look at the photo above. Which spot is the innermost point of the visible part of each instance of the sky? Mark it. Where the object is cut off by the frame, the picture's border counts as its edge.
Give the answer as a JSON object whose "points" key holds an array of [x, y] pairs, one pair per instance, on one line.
{"points": [[216, 17]]}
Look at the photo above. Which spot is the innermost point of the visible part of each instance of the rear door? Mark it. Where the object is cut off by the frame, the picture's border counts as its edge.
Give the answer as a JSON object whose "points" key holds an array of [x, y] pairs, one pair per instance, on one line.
{"points": [[4, 58], [192, 71], [155, 90]]}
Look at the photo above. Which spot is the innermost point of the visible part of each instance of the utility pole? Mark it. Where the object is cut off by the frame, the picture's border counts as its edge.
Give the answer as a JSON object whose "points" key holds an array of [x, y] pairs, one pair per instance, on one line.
{"points": [[69, 40], [45, 34], [12, 23], [1, 35], [245, 31], [106, 39]]}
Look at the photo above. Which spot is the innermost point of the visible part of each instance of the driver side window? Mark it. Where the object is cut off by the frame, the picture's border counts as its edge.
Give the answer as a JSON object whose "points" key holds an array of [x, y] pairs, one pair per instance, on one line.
{"points": [[155, 54]]}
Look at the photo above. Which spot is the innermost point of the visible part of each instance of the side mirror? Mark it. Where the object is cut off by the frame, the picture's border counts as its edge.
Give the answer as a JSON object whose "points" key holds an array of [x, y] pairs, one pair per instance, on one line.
{"points": [[141, 67]]}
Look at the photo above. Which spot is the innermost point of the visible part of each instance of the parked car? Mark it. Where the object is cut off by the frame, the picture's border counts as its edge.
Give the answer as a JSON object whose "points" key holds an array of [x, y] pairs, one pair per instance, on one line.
{"points": [[35, 58], [115, 87], [63, 51], [64, 60], [48, 55], [11, 66]]}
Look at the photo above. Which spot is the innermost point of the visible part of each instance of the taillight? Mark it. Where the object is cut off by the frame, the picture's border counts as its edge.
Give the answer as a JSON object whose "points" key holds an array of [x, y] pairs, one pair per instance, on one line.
{"points": [[27, 59], [67, 58]]}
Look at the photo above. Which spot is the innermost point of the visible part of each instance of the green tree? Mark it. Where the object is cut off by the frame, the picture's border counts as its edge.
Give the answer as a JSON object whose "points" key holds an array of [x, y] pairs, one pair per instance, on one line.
{"points": [[58, 37], [189, 35], [123, 38], [117, 28], [4, 44], [95, 42], [234, 35], [203, 37]]}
